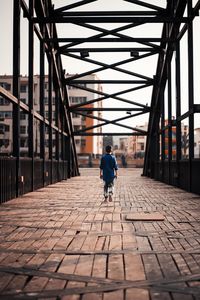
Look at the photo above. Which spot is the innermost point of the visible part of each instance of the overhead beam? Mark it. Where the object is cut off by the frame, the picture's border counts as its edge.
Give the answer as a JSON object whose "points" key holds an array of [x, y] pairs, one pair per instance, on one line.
{"points": [[69, 82], [107, 13], [121, 49], [110, 134], [108, 40], [109, 19], [91, 109]]}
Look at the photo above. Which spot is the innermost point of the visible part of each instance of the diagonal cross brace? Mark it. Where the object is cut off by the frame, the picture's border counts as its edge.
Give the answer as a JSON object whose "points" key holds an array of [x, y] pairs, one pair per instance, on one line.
{"points": [[113, 96], [106, 66], [145, 4], [77, 4], [105, 32], [111, 66], [114, 122]]}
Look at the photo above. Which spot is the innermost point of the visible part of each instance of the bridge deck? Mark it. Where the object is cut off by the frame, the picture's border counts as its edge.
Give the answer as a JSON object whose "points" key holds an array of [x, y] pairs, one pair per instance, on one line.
{"points": [[62, 242]]}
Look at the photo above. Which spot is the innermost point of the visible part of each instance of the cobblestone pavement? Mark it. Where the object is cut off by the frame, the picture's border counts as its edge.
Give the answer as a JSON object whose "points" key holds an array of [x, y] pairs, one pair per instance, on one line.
{"points": [[63, 242]]}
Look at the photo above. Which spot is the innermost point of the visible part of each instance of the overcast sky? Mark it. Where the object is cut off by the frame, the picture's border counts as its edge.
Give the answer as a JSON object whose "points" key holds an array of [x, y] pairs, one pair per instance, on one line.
{"points": [[146, 67]]}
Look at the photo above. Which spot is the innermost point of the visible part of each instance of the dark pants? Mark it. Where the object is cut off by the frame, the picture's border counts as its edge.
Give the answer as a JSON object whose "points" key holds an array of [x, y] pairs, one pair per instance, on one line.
{"points": [[108, 188]]}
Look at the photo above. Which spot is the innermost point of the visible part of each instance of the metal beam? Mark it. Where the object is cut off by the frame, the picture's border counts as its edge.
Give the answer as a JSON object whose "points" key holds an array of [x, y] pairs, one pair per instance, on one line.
{"points": [[91, 109], [16, 90], [31, 134], [110, 134], [121, 49], [107, 13], [73, 5], [98, 81], [145, 4], [107, 40], [25, 108], [109, 19]]}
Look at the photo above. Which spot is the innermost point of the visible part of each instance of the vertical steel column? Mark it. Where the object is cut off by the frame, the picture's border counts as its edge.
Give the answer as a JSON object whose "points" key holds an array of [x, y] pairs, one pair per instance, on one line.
{"points": [[16, 91], [69, 156], [190, 87], [58, 115], [42, 108], [57, 121], [57, 137], [62, 142], [178, 110], [162, 101], [30, 92], [50, 78], [169, 120]]}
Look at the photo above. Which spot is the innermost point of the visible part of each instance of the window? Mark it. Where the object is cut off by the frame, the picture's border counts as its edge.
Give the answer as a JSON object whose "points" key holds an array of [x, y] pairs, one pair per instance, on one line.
{"points": [[83, 143], [53, 143], [76, 87], [78, 99], [22, 115], [76, 127], [83, 118], [23, 88], [77, 142], [75, 115], [5, 85], [1, 128], [45, 100], [23, 142], [8, 114], [4, 101], [5, 115], [6, 143], [4, 128], [22, 129]]}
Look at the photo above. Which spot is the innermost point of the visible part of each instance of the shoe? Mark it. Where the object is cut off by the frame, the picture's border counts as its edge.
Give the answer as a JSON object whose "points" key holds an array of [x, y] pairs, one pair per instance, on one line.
{"points": [[110, 198], [105, 200]]}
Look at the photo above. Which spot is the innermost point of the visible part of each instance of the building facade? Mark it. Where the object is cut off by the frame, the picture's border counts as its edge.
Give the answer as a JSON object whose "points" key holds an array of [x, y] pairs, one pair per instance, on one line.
{"points": [[87, 144], [84, 144]]}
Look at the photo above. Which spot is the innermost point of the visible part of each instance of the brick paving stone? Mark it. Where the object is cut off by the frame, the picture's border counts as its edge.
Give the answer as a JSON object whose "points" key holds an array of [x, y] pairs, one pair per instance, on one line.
{"points": [[63, 242]]}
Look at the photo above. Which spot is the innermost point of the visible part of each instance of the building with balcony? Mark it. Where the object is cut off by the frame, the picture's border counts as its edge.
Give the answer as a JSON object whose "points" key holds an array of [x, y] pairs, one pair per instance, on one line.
{"points": [[84, 144]]}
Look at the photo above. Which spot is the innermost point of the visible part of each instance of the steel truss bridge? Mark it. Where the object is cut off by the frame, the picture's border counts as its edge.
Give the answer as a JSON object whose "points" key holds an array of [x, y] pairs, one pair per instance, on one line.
{"points": [[165, 108]]}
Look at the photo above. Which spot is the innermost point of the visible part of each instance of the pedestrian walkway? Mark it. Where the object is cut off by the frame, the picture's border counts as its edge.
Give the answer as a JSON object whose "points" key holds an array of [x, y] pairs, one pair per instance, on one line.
{"points": [[63, 242]]}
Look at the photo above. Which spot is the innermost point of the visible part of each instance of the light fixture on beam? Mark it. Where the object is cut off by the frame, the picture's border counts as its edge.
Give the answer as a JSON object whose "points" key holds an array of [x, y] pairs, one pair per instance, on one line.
{"points": [[84, 54], [134, 54]]}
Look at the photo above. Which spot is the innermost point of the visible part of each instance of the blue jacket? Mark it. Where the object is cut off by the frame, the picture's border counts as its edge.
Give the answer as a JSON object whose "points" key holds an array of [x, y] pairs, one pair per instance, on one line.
{"points": [[108, 164]]}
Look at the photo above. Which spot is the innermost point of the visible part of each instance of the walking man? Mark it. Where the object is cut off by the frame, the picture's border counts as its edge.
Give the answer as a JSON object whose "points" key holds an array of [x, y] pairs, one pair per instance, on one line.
{"points": [[108, 171]]}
